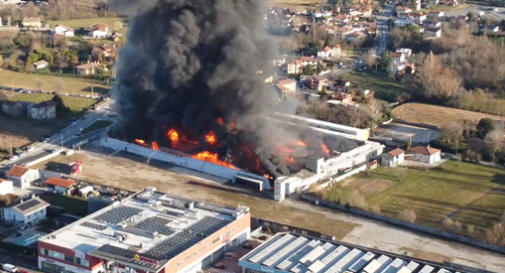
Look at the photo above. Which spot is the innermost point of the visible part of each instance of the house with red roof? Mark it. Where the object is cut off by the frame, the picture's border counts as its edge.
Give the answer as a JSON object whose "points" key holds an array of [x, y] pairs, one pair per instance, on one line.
{"points": [[329, 52], [393, 158], [425, 154]]}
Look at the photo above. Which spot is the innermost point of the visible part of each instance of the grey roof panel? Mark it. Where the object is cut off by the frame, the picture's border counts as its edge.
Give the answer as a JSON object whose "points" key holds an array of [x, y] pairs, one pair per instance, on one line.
{"points": [[345, 262], [270, 248], [287, 250], [362, 262], [292, 260], [427, 269]]}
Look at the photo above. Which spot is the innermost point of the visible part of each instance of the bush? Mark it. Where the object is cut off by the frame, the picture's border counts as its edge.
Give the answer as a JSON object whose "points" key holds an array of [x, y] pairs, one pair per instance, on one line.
{"points": [[407, 215], [496, 234], [375, 209], [357, 200], [451, 225]]}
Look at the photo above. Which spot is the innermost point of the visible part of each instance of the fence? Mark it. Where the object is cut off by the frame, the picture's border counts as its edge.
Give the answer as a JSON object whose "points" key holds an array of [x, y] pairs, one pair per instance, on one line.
{"points": [[407, 225]]}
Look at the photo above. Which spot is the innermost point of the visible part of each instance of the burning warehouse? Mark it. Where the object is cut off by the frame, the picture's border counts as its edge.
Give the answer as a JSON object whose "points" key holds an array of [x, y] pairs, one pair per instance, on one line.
{"points": [[188, 88]]}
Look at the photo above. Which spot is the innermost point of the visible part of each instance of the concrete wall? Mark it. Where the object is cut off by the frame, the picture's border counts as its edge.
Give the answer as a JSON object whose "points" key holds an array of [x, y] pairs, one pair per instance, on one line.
{"points": [[186, 162], [407, 225], [42, 159]]}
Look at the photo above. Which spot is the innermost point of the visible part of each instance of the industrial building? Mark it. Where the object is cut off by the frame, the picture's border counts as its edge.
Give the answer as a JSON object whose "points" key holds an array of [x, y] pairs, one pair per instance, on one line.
{"points": [[146, 232], [296, 253]]}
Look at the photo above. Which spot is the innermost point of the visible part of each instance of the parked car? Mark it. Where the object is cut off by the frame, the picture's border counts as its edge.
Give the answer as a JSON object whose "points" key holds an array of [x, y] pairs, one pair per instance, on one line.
{"points": [[84, 117], [219, 266], [9, 268]]}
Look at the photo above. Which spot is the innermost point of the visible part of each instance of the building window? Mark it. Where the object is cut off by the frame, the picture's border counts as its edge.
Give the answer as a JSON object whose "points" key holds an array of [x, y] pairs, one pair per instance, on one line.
{"points": [[56, 255], [43, 251], [84, 262]]}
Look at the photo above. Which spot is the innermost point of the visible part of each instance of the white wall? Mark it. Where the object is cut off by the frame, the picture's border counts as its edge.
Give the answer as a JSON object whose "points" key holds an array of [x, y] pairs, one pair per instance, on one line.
{"points": [[5, 187], [12, 215]]}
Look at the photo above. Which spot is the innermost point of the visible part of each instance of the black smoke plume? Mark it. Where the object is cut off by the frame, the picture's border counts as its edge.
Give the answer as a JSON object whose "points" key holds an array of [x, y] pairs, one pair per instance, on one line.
{"points": [[188, 63]]}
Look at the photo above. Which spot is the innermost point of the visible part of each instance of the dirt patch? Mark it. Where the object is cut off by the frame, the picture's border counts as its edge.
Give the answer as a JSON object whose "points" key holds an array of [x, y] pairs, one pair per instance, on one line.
{"points": [[438, 115], [424, 255], [21, 131], [372, 186], [130, 172]]}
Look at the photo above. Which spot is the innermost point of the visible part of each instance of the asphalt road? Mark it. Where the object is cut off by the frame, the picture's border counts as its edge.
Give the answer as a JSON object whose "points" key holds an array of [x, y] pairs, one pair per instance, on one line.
{"points": [[27, 264], [381, 40]]}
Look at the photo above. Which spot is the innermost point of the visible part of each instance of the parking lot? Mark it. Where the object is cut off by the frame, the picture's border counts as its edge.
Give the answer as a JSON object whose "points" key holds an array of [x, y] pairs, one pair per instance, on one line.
{"points": [[488, 12]]}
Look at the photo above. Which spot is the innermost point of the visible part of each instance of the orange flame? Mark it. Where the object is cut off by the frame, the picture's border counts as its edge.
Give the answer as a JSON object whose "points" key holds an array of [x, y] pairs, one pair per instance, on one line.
{"points": [[140, 141], [211, 138], [156, 146], [268, 176], [290, 160], [325, 148], [212, 158], [300, 143], [232, 124], [173, 135], [220, 120]]}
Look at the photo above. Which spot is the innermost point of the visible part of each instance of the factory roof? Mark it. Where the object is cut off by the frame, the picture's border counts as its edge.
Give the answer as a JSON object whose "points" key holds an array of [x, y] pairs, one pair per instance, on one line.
{"points": [[151, 224], [296, 253]]}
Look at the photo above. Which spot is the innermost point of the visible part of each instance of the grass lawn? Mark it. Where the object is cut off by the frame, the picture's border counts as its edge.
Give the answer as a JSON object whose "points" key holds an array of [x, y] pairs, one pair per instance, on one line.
{"points": [[72, 205], [384, 88], [75, 104], [438, 115], [88, 23], [470, 193], [99, 124], [32, 81]]}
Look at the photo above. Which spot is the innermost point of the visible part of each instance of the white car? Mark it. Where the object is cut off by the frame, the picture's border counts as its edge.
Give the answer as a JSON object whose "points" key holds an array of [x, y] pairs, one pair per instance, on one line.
{"points": [[72, 124]]}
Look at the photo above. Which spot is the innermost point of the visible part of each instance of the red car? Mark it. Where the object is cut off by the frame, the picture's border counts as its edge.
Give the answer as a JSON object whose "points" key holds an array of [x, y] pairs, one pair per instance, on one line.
{"points": [[22, 271]]}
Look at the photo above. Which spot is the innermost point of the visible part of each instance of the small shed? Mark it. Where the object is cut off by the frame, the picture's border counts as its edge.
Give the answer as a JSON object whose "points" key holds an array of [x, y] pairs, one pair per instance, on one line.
{"points": [[60, 185], [40, 64], [393, 158]]}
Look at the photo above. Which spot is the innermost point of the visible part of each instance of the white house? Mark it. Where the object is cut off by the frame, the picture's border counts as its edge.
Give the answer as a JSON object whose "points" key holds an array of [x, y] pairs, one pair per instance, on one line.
{"points": [[399, 22], [425, 154], [393, 158], [63, 30], [286, 88], [22, 177], [40, 64], [5, 187], [27, 213], [397, 57], [433, 32], [60, 185], [436, 14], [406, 51], [328, 52], [99, 31]]}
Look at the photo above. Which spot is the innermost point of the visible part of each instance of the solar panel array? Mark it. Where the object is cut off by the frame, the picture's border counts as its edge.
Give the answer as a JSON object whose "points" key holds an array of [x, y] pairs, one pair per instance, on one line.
{"points": [[118, 251], [28, 204], [156, 224], [185, 239], [295, 253], [118, 215], [93, 226]]}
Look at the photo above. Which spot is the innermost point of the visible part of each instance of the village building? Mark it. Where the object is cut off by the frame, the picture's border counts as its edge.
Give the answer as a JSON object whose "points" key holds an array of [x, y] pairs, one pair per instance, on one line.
{"points": [[42, 110]]}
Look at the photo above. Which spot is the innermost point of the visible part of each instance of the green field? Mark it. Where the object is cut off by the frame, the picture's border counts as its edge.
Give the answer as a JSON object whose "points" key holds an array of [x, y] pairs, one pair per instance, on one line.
{"points": [[88, 23], [97, 125], [71, 204], [75, 104], [384, 87], [470, 193], [75, 85]]}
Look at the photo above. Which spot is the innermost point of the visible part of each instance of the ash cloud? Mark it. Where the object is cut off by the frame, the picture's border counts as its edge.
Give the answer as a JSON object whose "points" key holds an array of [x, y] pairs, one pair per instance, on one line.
{"points": [[188, 62]]}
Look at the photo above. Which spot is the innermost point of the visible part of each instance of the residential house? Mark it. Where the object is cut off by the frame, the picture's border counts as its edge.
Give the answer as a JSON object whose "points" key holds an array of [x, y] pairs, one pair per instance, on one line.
{"points": [[327, 52], [433, 32], [342, 98], [22, 177], [5, 187], [311, 61], [89, 68], [436, 14], [491, 29], [403, 11], [13, 108], [404, 21], [294, 67], [40, 64], [108, 50], [403, 14], [43, 110], [397, 57], [431, 24], [433, 2], [27, 213], [279, 61], [317, 82], [393, 158], [33, 22], [452, 3], [356, 37], [286, 88], [99, 31], [60, 185], [116, 36], [425, 154], [343, 18], [405, 51], [64, 31], [419, 17], [342, 85]]}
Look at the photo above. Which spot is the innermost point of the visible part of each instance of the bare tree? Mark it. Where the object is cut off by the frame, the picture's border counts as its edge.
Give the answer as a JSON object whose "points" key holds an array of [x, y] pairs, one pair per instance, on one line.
{"points": [[407, 215], [494, 140], [496, 234], [453, 133], [370, 58], [471, 231], [374, 111], [354, 117]]}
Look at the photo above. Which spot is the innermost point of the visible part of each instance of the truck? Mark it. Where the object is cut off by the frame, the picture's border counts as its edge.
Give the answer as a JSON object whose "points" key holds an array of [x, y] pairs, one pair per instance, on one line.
{"points": [[75, 167], [9, 268]]}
